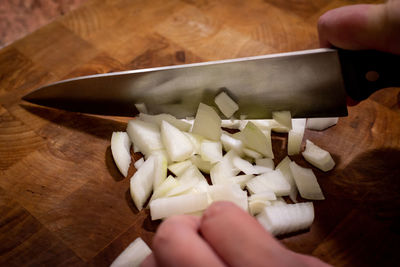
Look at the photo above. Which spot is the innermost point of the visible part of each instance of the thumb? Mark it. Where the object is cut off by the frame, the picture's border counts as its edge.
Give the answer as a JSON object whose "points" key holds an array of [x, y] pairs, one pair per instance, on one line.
{"points": [[359, 27]]}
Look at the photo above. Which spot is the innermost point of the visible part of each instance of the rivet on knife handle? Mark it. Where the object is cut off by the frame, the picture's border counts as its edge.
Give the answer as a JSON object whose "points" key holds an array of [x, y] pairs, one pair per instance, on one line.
{"points": [[367, 71]]}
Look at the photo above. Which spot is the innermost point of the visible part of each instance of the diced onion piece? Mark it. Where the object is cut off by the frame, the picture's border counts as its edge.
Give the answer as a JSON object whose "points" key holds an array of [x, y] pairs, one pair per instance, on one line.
{"points": [[211, 151], [261, 169], [257, 206], [284, 118], [270, 181], [120, 149], [318, 157], [183, 204], [229, 142], [135, 148], [187, 181], [226, 104], [160, 169], [177, 144], [264, 165], [265, 125], [252, 154], [295, 136], [133, 255], [162, 190], [229, 192], [191, 173], [306, 182], [157, 119], [263, 195], [183, 188], [231, 124], [288, 218], [201, 187], [196, 141], [241, 180], [141, 107], [138, 163], [145, 136], [320, 124], [162, 152], [207, 123], [141, 183], [283, 166], [244, 165], [278, 202], [255, 139], [224, 169], [180, 167], [204, 166]]}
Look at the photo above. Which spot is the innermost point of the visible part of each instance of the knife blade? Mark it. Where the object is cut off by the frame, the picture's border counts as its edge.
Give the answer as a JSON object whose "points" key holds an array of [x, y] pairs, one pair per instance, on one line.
{"points": [[308, 83]]}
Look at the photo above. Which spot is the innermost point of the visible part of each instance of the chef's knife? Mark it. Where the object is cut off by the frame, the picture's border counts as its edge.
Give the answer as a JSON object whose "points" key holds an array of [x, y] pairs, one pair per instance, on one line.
{"points": [[310, 83]]}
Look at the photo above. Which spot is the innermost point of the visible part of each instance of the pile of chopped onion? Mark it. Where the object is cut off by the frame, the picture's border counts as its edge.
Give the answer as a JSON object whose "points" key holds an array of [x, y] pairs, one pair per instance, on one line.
{"points": [[180, 154]]}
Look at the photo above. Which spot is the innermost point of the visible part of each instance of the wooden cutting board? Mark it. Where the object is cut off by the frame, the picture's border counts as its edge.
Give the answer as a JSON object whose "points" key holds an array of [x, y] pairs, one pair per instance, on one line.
{"points": [[62, 200]]}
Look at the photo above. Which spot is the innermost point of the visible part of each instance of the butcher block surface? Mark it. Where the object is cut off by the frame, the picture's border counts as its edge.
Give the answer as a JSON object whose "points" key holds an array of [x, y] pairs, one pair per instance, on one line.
{"points": [[62, 199]]}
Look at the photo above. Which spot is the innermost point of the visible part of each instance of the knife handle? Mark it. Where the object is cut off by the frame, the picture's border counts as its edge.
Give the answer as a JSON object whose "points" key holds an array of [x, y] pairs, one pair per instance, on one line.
{"points": [[367, 71]]}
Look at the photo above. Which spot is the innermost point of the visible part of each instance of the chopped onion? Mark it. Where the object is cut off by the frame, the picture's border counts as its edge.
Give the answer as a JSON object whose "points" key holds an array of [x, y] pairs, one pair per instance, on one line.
{"points": [[160, 169], [295, 136], [252, 154], [287, 218], [284, 167], [231, 124], [138, 163], [178, 145], [120, 150], [284, 118], [196, 141], [133, 255], [158, 119], [211, 151], [255, 139], [141, 183], [244, 165], [263, 195], [229, 142], [318, 157], [257, 206], [306, 182], [204, 166], [180, 167], [141, 107], [167, 143], [226, 104], [264, 164], [145, 135], [224, 169], [229, 192], [320, 124], [183, 204], [207, 123], [241, 180], [163, 189], [270, 181]]}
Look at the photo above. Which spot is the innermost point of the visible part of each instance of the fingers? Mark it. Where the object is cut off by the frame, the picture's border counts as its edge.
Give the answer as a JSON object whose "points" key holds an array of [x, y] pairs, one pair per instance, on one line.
{"points": [[178, 243], [240, 240], [359, 27], [150, 261]]}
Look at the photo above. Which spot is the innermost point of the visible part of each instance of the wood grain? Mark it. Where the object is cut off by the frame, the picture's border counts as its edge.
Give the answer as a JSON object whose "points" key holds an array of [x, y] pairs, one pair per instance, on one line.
{"points": [[62, 199]]}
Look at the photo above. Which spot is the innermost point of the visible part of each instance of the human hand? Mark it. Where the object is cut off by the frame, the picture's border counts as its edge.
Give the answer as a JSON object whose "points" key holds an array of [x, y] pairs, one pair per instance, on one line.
{"points": [[364, 26], [358, 27], [224, 236]]}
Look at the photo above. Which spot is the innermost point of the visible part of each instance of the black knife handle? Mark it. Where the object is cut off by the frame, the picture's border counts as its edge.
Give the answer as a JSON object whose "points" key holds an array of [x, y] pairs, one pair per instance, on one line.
{"points": [[367, 71]]}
